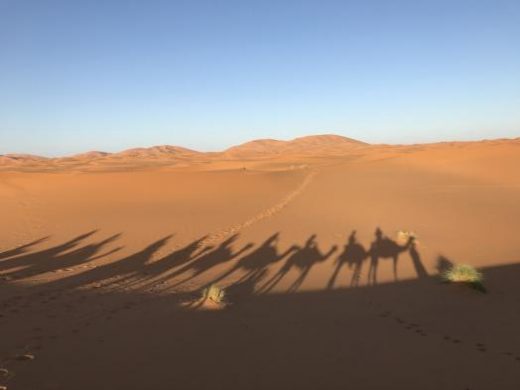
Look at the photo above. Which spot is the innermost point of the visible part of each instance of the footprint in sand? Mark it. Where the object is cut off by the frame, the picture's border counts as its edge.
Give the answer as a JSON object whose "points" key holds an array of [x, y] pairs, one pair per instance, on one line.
{"points": [[267, 213], [451, 340], [481, 347]]}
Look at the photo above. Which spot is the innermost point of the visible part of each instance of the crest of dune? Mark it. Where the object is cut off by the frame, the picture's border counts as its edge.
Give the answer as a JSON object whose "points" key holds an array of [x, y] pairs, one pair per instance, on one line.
{"points": [[18, 159], [303, 147], [155, 152], [91, 155], [314, 144]]}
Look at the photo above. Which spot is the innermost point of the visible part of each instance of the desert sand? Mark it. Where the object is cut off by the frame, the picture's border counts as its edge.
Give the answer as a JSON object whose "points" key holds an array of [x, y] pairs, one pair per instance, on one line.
{"points": [[104, 257]]}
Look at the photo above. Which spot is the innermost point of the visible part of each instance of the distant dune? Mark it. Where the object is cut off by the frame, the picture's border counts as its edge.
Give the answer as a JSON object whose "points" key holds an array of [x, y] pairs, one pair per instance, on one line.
{"points": [[317, 146], [164, 151], [20, 158], [89, 155]]}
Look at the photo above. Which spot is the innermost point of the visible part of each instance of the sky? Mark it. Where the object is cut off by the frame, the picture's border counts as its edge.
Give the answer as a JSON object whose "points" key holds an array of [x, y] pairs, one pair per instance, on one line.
{"points": [[207, 74]]}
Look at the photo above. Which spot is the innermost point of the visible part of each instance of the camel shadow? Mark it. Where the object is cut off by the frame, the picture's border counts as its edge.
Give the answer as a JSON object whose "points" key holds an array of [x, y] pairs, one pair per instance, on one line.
{"points": [[354, 254], [56, 258], [21, 249], [212, 258], [257, 262], [384, 247], [303, 259]]}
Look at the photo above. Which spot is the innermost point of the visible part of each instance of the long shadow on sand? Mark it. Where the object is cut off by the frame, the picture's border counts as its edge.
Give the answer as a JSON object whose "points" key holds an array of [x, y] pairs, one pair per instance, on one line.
{"points": [[253, 266], [53, 259], [302, 259], [114, 272], [193, 260], [21, 249], [218, 256], [406, 335]]}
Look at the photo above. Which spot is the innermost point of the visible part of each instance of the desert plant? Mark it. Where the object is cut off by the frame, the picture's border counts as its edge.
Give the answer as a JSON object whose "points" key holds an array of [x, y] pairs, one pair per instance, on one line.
{"points": [[463, 273], [214, 293]]}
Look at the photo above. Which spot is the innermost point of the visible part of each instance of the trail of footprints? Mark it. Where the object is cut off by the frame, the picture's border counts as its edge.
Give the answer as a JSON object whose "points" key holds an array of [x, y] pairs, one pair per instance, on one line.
{"points": [[51, 307], [419, 330], [47, 304], [267, 213]]}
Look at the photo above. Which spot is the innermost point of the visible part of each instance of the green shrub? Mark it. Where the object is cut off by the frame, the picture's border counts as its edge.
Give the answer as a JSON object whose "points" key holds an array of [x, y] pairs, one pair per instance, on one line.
{"points": [[463, 273]]}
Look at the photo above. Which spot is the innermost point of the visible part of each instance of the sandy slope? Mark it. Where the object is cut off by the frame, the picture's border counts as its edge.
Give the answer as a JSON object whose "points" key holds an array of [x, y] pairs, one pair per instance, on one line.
{"points": [[101, 268]]}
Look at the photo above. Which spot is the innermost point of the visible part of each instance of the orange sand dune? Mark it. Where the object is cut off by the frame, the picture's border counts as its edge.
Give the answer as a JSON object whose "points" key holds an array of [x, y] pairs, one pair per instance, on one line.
{"points": [[103, 259]]}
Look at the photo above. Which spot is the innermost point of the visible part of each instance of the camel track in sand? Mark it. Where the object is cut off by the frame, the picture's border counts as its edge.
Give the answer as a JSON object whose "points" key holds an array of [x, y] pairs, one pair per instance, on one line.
{"points": [[82, 321], [220, 235], [118, 285], [267, 213]]}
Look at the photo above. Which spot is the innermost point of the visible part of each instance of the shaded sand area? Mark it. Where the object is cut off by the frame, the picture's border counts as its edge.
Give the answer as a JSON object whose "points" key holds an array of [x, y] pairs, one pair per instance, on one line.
{"points": [[102, 265]]}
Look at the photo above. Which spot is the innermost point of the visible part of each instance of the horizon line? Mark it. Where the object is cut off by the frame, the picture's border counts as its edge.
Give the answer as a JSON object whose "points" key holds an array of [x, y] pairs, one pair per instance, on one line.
{"points": [[361, 142]]}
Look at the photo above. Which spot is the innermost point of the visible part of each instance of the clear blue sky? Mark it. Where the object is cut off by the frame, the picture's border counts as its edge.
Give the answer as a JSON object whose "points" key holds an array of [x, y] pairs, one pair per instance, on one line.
{"points": [[112, 74]]}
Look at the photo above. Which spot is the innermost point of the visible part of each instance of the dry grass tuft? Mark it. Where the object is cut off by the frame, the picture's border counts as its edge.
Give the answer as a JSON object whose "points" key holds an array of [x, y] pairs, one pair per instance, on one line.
{"points": [[463, 273], [214, 293]]}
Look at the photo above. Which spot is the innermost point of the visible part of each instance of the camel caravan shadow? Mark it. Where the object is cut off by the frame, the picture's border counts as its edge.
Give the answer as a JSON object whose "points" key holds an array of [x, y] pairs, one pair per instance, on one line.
{"points": [[283, 339], [255, 268], [248, 270], [354, 256]]}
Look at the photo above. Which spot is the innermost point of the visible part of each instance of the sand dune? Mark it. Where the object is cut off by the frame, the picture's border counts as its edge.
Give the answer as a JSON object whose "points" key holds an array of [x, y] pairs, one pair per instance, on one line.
{"points": [[156, 152], [95, 154], [20, 159], [320, 144], [103, 258], [170, 155]]}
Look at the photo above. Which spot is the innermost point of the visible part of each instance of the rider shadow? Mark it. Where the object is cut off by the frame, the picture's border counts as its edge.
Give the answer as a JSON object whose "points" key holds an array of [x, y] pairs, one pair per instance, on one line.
{"points": [[65, 255], [303, 259], [217, 256], [354, 254], [116, 271], [159, 270], [21, 249], [256, 263]]}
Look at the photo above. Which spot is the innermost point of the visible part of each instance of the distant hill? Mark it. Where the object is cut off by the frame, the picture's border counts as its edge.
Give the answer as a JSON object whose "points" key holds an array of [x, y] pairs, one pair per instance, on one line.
{"points": [[303, 145], [262, 149], [156, 152], [319, 144], [17, 159], [90, 155]]}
